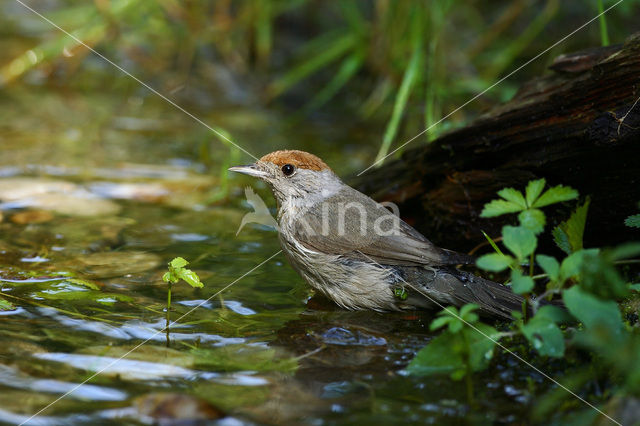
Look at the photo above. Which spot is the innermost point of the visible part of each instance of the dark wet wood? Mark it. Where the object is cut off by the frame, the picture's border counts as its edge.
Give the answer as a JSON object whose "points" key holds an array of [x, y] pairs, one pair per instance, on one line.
{"points": [[566, 127]]}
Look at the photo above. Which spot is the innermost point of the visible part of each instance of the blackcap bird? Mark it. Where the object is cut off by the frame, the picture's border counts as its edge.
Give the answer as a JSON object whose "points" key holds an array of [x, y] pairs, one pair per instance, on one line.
{"points": [[360, 254]]}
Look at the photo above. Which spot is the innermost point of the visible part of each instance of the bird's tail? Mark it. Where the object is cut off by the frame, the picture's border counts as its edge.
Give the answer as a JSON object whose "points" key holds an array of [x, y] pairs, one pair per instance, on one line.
{"points": [[451, 286]]}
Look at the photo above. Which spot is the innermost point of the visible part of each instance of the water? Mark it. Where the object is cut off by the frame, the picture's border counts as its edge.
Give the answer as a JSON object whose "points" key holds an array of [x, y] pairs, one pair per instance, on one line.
{"points": [[99, 191]]}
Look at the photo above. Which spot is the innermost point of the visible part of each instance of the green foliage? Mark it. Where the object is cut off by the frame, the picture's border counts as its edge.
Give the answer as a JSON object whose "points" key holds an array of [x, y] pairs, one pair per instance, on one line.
{"points": [[591, 311], [495, 262], [5, 305], [599, 274], [519, 240], [591, 275], [521, 284], [529, 203], [544, 334], [400, 293], [460, 349], [177, 272], [633, 221], [569, 234]]}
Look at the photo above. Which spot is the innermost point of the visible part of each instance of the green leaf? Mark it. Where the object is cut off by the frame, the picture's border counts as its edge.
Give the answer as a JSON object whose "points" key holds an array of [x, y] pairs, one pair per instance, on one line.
{"points": [[521, 284], [550, 266], [561, 239], [444, 354], [625, 251], [167, 276], [633, 221], [573, 228], [532, 219], [534, 189], [554, 195], [440, 322], [468, 309], [513, 195], [84, 283], [544, 335], [520, 241], [5, 305], [178, 262], [572, 264], [482, 341], [554, 313], [592, 311], [499, 207], [190, 277], [437, 357], [635, 287], [495, 262]]}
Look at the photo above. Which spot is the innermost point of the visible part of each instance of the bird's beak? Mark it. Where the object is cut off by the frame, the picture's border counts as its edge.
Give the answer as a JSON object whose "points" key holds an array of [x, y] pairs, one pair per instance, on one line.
{"points": [[249, 169]]}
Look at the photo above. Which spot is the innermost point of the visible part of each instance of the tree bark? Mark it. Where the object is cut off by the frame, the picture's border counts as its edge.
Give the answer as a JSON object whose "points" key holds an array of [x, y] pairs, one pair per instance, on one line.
{"points": [[579, 126]]}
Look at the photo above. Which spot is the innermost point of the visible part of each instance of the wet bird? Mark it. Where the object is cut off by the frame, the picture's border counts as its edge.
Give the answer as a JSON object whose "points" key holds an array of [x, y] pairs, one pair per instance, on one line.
{"points": [[357, 252]]}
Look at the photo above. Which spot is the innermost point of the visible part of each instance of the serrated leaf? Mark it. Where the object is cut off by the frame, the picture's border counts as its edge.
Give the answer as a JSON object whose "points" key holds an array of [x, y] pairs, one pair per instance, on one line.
{"points": [[554, 195], [513, 195], [533, 219], [592, 311], [190, 277], [633, 221], [533, 191], [561, 239], [494, 262], [178, 262], [521, 284], [574, 226], [550, 266], [499, 207], [519, 240]]}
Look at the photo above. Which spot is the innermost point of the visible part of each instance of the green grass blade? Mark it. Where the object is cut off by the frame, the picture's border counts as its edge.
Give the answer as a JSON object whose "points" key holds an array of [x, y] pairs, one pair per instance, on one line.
{"points": [[349, 67], [604, 33], [312, 65], [399, 107]]}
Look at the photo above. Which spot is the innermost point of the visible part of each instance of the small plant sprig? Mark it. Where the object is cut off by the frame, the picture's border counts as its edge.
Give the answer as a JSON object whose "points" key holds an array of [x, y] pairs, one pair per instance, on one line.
{"points": [[459, 350], [176, 272]]}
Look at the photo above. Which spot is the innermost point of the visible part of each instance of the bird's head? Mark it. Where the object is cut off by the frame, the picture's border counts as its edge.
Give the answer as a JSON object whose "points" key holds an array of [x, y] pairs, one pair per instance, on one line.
{"points": [[294, 175]]}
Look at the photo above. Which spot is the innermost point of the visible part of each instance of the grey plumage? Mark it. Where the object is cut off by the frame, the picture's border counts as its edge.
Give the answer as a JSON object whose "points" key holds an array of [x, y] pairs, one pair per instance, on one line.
{"points": [[355, 251]]}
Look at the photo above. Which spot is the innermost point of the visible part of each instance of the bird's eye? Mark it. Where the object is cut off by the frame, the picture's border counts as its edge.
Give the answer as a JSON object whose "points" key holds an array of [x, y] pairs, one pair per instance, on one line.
{"points": [[288, 169]]}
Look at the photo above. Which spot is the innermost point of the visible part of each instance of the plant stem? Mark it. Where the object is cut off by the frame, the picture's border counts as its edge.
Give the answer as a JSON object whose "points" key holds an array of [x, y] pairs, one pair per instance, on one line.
{"points": [[531, 265], [467, 376], [168, 317]]}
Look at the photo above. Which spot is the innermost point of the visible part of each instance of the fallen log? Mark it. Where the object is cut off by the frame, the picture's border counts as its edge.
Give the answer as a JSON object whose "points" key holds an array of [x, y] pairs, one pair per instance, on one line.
{"points": [[579, 126]]}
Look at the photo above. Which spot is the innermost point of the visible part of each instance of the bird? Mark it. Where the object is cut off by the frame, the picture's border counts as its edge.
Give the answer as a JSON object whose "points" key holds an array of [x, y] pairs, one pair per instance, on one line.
{"points": [[358, 253]]}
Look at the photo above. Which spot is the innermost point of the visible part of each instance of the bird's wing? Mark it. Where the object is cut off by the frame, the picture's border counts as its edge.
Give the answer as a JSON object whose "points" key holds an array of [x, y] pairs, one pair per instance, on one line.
{"points": [[353, 225]]}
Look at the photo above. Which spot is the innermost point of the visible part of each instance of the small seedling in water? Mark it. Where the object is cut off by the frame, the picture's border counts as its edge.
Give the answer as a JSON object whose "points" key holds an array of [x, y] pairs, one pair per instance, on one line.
{"points": [[177, 272]]}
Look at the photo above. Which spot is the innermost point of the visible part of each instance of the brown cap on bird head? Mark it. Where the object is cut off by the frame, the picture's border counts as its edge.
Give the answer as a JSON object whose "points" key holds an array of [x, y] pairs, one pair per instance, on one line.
{"points": [[286, 160], [299, 159]]}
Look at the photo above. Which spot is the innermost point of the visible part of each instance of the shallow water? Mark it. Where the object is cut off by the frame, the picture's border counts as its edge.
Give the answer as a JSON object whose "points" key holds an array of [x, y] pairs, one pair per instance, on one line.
{"points": [[99, 193]]}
